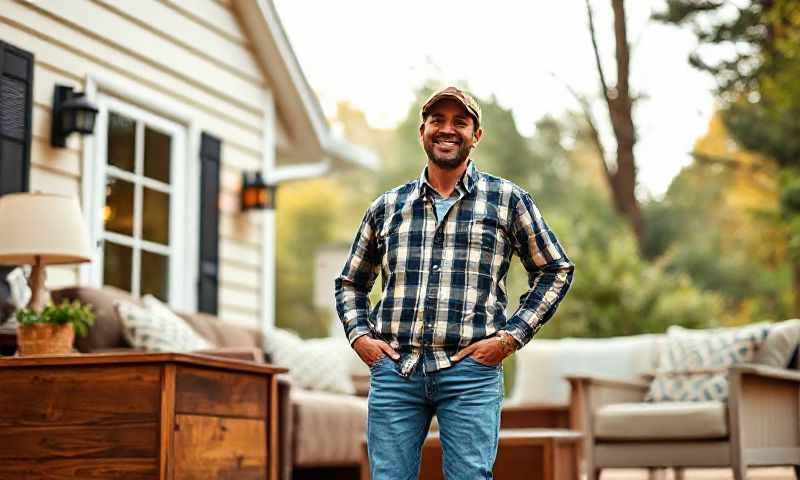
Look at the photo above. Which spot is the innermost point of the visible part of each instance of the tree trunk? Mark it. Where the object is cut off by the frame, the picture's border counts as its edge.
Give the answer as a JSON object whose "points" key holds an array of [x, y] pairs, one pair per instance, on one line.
{"points": [[622, 179]]}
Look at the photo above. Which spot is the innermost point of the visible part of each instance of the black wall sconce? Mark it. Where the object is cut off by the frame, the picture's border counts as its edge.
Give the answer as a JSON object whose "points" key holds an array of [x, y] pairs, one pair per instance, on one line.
{"points": [[72, 112], [256, 194]]}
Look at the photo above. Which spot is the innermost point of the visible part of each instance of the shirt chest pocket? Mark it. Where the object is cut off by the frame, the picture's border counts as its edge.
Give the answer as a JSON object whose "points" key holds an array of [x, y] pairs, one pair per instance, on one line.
{"points": [[401, 248], [480, 236]]}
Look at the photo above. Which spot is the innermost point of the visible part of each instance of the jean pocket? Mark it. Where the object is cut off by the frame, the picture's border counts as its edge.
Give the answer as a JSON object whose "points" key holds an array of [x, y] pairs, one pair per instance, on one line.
{"points": [[377, 362], [482, 365]]}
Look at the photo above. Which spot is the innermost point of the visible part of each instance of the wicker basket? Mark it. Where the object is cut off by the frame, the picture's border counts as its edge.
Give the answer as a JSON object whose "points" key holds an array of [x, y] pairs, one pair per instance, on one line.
{"points": [[45, 339]]}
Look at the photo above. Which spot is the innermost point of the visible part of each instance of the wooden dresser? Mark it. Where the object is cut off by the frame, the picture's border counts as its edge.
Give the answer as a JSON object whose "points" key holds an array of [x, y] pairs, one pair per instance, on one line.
{"points": [[137, 416]]}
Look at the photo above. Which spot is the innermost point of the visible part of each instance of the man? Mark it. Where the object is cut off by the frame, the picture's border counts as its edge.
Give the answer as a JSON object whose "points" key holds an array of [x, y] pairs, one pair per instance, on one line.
{"points": [[436, 340]]}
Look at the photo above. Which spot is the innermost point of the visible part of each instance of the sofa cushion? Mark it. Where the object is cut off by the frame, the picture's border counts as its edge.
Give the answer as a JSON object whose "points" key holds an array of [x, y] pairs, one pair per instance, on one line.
{"points": [[222, 334], [248, 354], [660, 421], [780, 346], [156, 329], [328, 428], [201, 323], [107, 330], [542, 366], [688, 352]]}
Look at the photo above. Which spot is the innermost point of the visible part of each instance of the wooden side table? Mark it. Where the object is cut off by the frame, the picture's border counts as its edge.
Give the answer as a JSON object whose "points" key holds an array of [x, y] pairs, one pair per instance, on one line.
{"points": [[137, 416], [540, 454]]}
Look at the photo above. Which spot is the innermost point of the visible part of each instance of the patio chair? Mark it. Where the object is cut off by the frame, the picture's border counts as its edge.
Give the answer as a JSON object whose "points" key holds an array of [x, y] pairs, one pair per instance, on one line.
{"points": [[759, 425]]}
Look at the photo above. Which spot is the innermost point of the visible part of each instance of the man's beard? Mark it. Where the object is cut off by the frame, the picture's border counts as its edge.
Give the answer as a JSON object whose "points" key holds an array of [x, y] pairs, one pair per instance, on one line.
{"points": [[448, 163]]}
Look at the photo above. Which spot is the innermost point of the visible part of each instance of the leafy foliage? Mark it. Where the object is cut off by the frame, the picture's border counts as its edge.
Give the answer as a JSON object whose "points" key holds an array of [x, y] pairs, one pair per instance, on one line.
{"points": [[73, 313], [719, 223], [758, 85]]}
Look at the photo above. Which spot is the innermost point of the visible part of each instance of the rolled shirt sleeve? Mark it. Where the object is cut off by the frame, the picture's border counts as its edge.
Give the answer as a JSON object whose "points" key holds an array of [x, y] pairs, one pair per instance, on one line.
{"points": [[549, 270], [353, 285]]}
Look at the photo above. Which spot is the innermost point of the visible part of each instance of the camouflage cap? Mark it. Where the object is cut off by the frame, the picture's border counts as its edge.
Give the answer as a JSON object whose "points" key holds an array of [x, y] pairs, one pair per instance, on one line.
{"points": [[463, 98]]}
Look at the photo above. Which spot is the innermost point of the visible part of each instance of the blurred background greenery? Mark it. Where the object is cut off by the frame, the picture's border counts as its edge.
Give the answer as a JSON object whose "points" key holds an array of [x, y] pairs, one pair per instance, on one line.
{"points": [[719, 248]]}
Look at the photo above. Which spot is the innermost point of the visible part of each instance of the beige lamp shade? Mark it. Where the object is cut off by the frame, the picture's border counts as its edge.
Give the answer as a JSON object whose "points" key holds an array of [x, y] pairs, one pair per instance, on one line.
{"points": [[41, 225]]}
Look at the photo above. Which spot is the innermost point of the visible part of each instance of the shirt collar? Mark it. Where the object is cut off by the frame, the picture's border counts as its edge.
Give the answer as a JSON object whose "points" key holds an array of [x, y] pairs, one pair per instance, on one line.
{"points": [[465, 184]]}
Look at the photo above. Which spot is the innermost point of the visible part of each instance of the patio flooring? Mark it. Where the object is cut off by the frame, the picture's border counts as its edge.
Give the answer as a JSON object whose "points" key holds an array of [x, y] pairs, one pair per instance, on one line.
{"points": [[771, 473]]}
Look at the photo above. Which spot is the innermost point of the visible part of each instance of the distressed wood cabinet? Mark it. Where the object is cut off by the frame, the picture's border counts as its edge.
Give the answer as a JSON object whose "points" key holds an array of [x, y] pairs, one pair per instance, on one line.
{"points": [[137, 416]]}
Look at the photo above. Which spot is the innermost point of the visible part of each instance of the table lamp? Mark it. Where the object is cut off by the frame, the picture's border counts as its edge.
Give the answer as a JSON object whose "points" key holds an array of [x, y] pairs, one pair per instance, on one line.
{"points": [[41, 229]]}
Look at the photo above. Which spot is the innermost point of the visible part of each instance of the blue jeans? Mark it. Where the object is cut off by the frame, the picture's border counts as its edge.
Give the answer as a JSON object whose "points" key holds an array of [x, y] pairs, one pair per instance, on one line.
{"points": [[466, 400]]}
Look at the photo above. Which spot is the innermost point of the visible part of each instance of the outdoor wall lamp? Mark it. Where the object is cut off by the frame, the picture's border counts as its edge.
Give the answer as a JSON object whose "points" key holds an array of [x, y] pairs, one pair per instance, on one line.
{"points": [[256, 194], [72, 112]]}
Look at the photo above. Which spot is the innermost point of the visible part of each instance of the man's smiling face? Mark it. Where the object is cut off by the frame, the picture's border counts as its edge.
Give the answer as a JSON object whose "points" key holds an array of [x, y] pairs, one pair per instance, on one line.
{"points": [[448, 134]]}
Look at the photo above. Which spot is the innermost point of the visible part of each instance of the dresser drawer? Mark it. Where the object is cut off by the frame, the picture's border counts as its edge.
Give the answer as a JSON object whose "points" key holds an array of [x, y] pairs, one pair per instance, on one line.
{"points": [[218, 392], [221, 448]]}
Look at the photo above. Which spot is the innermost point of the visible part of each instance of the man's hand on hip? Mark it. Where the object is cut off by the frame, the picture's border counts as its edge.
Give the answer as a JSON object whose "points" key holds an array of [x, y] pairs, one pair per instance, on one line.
{"points": [[489, 351], [370, 350]]}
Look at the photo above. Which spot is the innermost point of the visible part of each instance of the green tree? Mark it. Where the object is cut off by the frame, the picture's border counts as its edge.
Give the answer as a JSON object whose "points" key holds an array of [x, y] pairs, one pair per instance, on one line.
{"points": [[717, 223], [758, 85], [306, 217]]}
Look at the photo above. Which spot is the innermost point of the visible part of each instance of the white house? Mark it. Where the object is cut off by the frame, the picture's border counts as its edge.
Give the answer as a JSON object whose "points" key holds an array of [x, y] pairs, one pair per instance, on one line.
{"points": [[191, 94]]}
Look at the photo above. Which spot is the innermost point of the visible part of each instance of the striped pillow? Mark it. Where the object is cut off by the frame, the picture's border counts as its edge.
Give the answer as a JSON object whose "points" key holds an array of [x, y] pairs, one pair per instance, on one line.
{"points": [[156, 329], [692, 363]]}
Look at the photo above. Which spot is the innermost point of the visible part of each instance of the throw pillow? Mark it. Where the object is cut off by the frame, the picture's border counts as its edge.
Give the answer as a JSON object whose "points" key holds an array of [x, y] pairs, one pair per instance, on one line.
{"points": [[780, 347], [688, 355], [155, 328], [315, 364]]}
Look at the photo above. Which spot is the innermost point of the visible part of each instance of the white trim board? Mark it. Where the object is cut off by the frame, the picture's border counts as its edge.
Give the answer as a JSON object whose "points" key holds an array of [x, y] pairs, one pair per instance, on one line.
{"points": [[269, 232]]}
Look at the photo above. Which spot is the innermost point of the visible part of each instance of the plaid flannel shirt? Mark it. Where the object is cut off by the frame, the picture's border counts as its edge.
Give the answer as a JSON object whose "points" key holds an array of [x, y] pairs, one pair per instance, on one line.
{"points": [[444, 284]]}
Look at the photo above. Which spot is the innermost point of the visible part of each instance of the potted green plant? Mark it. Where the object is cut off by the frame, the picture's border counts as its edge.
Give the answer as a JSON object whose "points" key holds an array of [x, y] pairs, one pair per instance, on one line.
{"points": [[52, 331]]}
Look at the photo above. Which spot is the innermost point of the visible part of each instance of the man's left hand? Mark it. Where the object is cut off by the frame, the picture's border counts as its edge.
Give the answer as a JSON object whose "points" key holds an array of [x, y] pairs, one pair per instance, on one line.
{"points": [[489, 351]]}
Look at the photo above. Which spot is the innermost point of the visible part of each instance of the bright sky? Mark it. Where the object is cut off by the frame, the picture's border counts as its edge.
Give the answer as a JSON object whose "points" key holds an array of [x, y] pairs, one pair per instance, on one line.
{"points": [[374, 54]]}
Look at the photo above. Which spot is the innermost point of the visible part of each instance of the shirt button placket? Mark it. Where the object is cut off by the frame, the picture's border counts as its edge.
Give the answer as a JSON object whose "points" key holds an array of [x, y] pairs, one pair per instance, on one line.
{"points": [[433, 284], [431, 301]]}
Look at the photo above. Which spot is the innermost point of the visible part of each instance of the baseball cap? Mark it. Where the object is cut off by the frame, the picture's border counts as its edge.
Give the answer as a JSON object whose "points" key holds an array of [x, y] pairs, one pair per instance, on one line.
{"points": [[460, 96]]}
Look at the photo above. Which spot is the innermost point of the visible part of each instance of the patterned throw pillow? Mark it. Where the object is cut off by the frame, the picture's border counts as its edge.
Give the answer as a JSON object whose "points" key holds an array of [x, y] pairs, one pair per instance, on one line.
{"points": [[686, 352], [156, 329], [315, 364]]}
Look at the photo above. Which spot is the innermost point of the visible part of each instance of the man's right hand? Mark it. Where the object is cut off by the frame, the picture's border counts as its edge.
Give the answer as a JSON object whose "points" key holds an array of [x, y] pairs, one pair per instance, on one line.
{"points": [[370, 350]]}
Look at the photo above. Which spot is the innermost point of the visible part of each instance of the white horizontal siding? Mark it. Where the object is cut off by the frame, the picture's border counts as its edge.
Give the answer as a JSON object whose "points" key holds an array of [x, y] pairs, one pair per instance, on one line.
{"points": [[237, 227], [212, 15], [235, 275], [185, 33], [44, 180], [240, 253]]}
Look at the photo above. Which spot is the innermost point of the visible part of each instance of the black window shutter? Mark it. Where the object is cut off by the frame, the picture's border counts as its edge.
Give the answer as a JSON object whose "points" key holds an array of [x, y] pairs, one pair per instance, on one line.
{"points": [[208, 278], [16, 118]]}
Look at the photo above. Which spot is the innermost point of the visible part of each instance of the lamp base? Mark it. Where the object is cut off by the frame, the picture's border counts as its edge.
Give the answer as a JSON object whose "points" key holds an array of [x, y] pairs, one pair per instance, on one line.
{"points": [[36, 282]]}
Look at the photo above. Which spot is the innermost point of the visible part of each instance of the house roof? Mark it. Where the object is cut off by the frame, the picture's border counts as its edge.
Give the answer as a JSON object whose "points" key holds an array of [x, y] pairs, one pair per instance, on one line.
{"points": [[313, 147]]}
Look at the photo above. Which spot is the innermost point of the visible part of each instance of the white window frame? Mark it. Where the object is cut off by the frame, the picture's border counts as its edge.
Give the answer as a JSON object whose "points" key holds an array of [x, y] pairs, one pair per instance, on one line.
{"points": [[176, 190], [183, 283]]}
